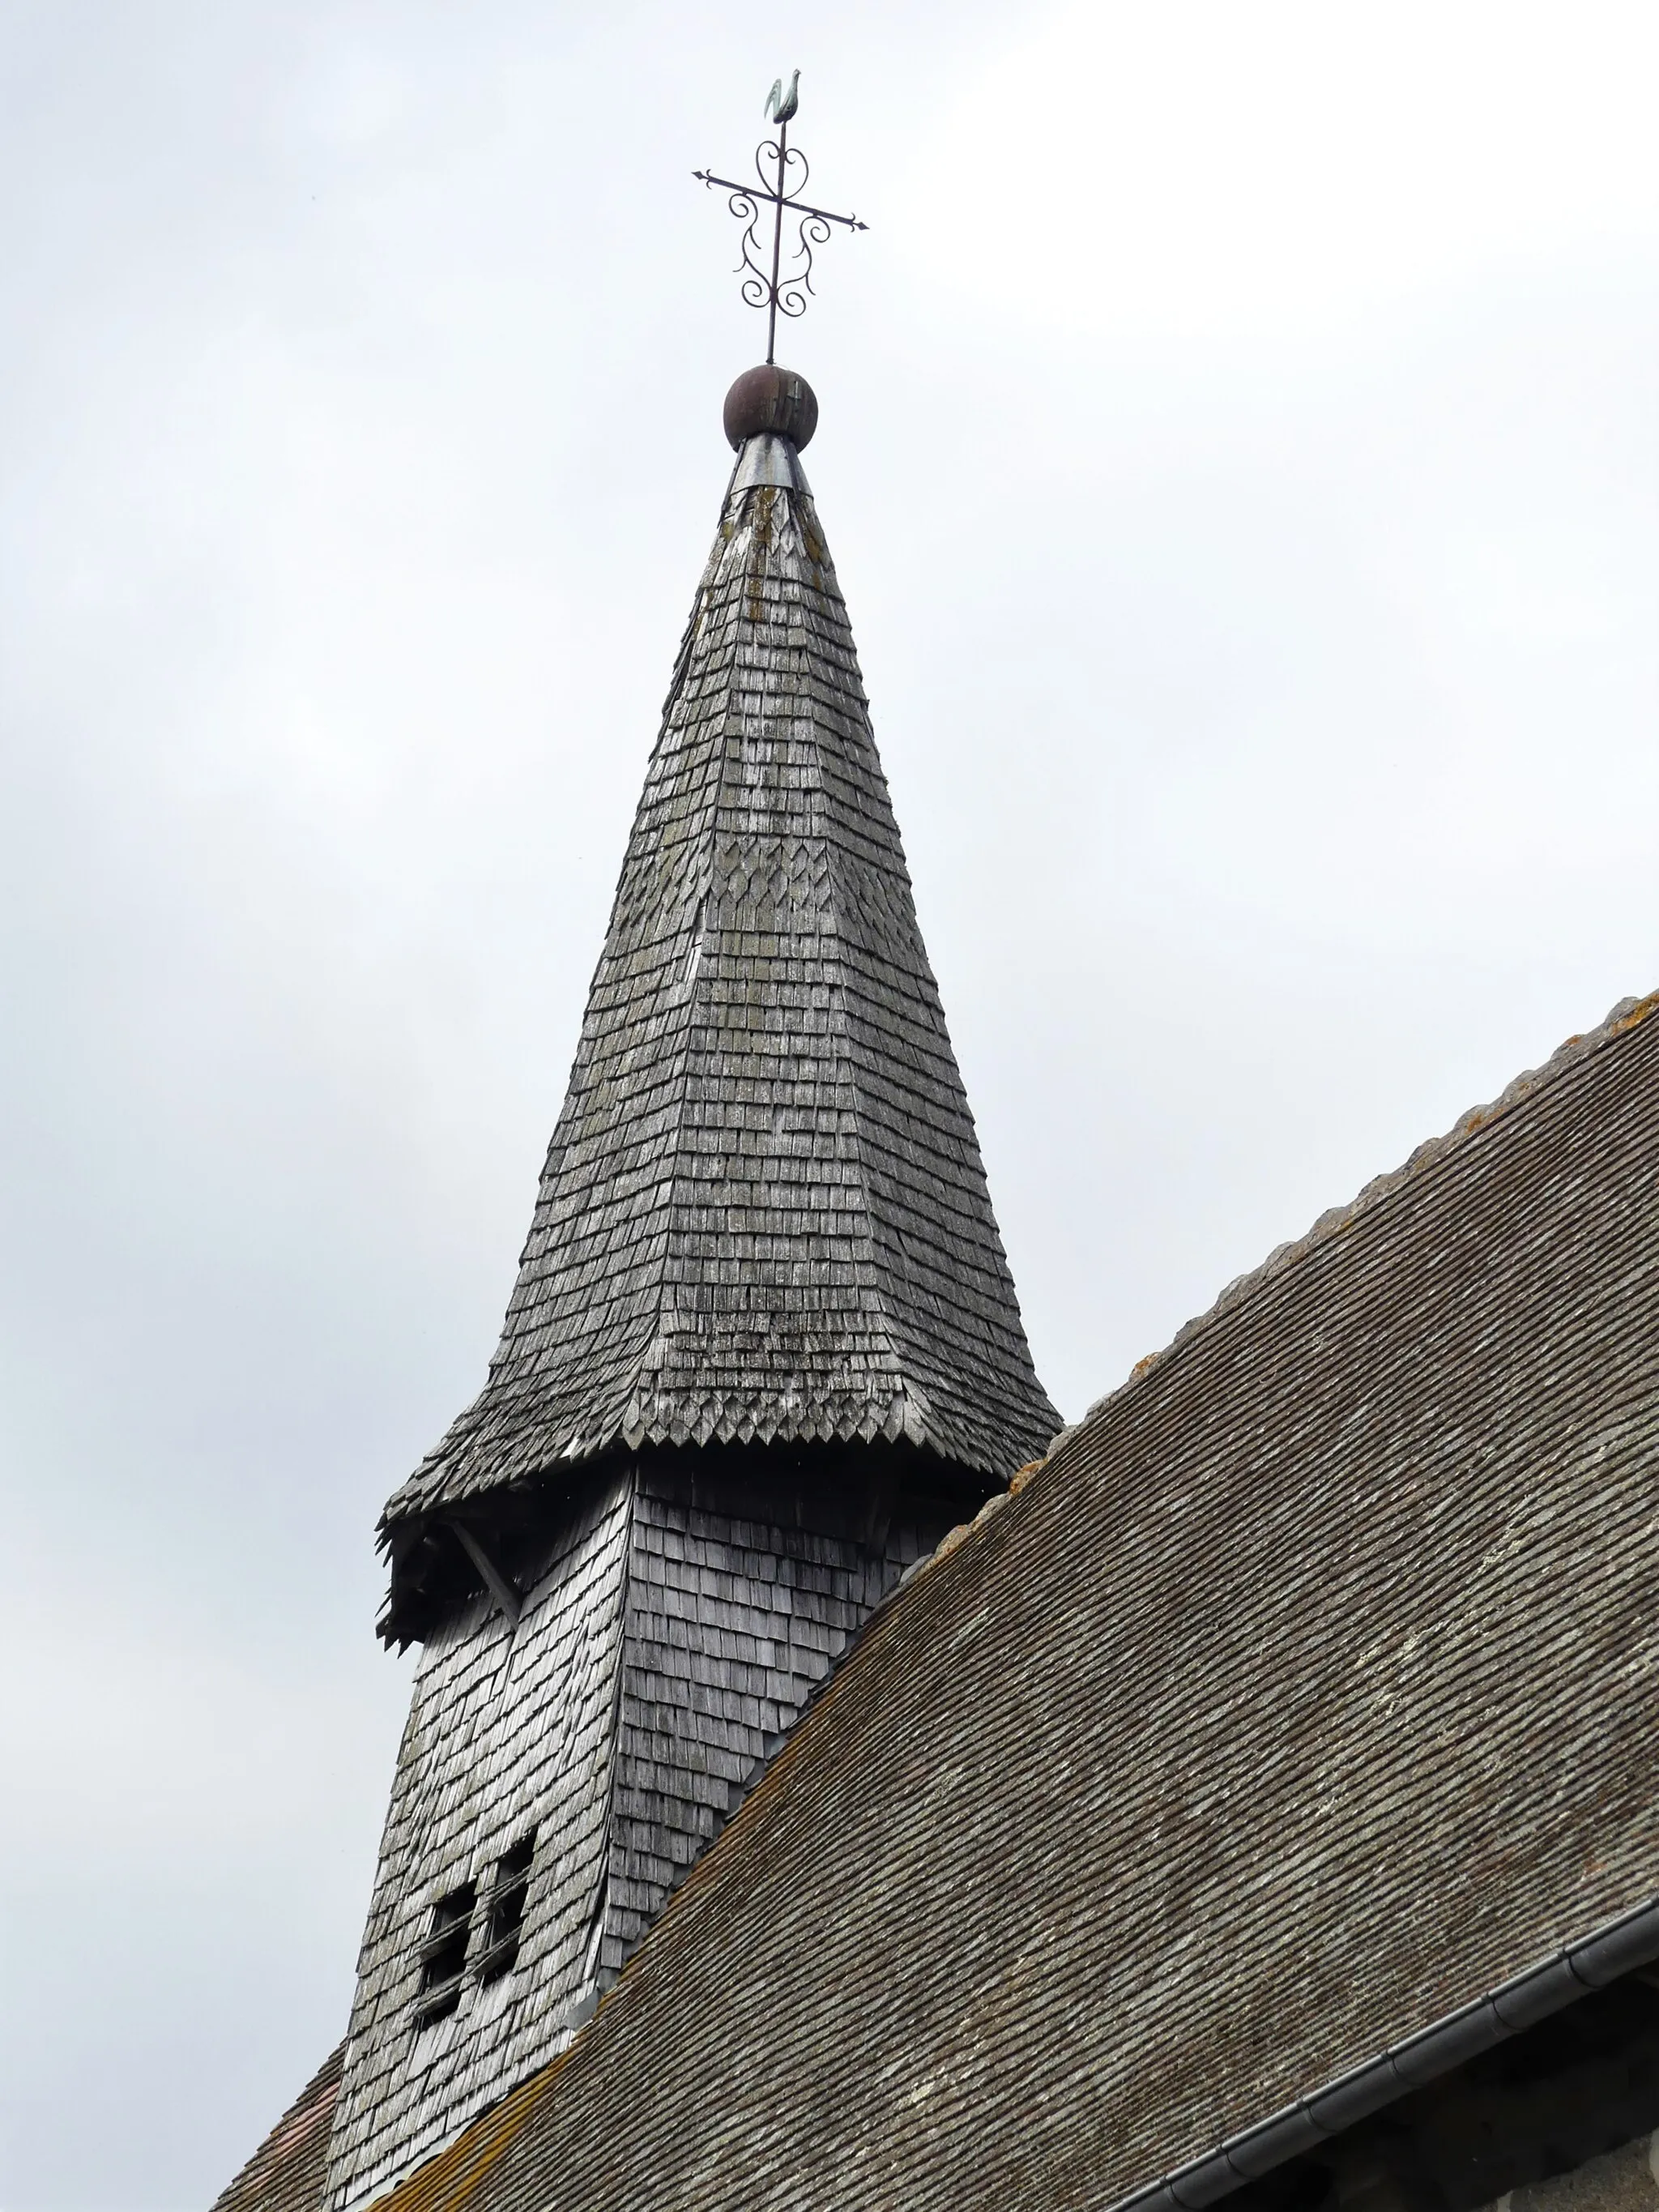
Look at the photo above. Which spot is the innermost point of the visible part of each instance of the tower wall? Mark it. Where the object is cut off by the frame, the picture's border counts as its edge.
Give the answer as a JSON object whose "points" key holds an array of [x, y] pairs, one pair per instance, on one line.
{"points": [[732, 1622], [508, 1730], [660, 1656]]}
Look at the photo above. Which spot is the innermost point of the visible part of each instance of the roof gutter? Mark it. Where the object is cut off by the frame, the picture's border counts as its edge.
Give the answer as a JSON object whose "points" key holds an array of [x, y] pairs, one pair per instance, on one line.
{"points": [[1617, 1948]]}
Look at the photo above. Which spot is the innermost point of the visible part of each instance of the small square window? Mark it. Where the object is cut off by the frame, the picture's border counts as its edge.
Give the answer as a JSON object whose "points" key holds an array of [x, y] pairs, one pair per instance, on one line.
{"points": [[443, 1954], [505, 1904]]}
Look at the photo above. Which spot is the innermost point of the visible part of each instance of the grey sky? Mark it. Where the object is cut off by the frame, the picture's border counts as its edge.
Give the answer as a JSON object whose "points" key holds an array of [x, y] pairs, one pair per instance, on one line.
{"points": [[1239, 448]]}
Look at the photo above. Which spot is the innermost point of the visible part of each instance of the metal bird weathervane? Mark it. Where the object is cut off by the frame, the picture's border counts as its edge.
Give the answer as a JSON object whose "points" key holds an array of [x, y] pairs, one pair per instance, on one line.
{"points": [[778, 291]]}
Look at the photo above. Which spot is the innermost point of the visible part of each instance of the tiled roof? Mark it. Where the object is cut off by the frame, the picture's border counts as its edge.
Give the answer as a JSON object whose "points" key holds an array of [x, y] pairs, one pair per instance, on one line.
{"points": [[764, 1214], [286, 2174], [1303, 1695]]}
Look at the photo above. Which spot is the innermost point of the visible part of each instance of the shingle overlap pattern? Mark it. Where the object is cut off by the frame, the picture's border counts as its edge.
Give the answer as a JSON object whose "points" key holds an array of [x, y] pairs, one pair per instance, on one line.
{"points": [[732, 1624], [1305, 1693], [763, 1212], [662, 1653], [506, 1733]]}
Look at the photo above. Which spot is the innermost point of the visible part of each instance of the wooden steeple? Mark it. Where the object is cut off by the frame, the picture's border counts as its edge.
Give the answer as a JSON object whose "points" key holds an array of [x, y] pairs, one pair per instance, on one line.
{"points": [[763, 1216], [762, 1352]]}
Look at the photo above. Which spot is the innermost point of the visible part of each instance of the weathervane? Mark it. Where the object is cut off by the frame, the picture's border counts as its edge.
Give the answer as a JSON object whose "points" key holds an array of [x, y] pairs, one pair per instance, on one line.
{"points": [[760, 290]]}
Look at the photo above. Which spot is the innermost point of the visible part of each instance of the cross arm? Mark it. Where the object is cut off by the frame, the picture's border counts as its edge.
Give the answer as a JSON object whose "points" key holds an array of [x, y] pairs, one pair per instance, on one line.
{"points": [[777, 199]]}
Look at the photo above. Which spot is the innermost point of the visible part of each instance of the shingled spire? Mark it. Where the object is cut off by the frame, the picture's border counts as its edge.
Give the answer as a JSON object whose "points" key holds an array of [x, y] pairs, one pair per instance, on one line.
{"points": [[764, 1214], [763, 1351]]}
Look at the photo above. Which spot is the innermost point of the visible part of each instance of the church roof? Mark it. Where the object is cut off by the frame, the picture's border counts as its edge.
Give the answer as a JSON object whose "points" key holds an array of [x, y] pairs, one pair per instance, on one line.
{"points": [[288, 2171], [764, 1214], [1301, 1697]]}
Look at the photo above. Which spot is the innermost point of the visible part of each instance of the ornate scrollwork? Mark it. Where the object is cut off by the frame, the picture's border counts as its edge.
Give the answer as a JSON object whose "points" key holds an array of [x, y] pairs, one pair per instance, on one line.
{"points": [[765, 282], [792, 291]]}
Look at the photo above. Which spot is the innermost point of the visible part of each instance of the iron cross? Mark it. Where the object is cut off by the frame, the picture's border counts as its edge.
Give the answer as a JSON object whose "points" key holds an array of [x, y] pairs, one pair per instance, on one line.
{"points": [[771, 290]]}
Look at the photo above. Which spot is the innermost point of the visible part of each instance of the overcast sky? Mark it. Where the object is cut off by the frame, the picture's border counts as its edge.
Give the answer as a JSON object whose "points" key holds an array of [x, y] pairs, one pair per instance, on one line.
{"points": [[1238, 447]]}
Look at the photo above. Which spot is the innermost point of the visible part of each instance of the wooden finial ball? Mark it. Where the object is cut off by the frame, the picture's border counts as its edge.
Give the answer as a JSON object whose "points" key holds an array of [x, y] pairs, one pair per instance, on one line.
{"points": [[775, 399]]}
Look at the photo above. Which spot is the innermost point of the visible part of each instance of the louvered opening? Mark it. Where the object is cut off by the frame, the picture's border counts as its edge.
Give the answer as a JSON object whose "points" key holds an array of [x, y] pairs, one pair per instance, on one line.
{"points": [[443, 1954], [508, 1896]]}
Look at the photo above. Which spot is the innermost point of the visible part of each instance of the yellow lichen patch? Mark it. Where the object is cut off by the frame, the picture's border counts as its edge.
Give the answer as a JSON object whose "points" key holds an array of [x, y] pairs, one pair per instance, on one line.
{"points": [[813, 539], [1637, 1013], [760, 546], [446, 2183]]}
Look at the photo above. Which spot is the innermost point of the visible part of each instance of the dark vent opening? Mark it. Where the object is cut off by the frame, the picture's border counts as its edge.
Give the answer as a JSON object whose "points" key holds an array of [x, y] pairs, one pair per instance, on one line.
{"points": [[443, 1954], [508, 1896]]}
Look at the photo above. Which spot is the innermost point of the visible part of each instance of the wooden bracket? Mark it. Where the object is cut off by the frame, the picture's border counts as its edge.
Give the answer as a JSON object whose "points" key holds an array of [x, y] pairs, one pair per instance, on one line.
{"points": [[495, 1581]]}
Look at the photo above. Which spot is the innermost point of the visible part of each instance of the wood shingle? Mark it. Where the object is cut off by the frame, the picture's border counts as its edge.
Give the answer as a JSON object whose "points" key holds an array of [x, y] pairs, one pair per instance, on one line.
{"points": [[764, 1214], [763, 1346], [1301, 1699]]}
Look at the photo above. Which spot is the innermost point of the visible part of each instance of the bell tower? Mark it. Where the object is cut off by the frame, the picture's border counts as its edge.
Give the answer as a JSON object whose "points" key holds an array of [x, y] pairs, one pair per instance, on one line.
{"points": [[763, 1350]]}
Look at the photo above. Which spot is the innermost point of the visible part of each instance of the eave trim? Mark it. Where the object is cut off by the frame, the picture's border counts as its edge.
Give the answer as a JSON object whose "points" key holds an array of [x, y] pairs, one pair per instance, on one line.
{"points": [[1617, 1947]]}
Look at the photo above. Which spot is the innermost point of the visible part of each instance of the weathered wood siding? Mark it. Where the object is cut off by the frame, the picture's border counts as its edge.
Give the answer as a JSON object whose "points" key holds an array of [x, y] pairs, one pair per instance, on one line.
{"points": [[659, 1661], [731, 1625], [507, 1731]]}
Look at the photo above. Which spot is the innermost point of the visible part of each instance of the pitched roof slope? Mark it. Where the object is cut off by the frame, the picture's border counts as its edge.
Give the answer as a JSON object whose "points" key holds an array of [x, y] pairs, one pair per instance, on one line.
{"points": [[763, 1212], [1303, 1695], [286, 2174]]}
